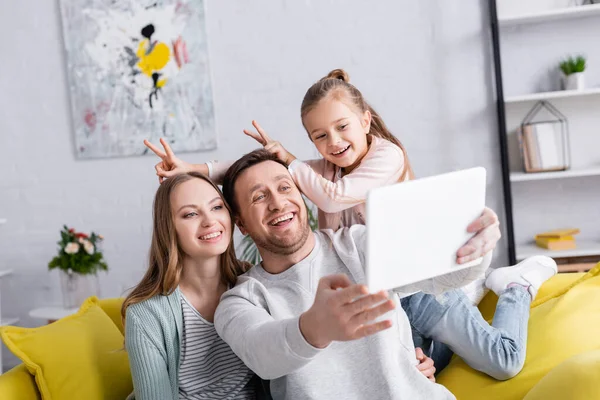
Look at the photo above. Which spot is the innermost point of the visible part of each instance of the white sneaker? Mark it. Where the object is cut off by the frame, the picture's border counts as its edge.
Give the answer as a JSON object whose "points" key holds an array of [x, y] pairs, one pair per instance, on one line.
{"points": [[530, 273]]}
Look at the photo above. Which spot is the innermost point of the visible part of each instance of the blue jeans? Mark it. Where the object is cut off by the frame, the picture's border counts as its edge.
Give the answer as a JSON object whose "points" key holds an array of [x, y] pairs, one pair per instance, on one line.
{"points": [[450, 323]]}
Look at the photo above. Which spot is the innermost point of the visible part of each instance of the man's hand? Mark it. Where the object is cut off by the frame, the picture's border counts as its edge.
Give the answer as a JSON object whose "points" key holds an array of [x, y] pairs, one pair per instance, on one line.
{"points": [[487, 227], [343, 311], [170, 164], [425, 365]]}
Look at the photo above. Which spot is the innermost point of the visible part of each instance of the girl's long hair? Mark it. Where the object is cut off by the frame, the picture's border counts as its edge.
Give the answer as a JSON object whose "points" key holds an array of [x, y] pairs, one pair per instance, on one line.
{"points": [[337, 84], [166, 256]]}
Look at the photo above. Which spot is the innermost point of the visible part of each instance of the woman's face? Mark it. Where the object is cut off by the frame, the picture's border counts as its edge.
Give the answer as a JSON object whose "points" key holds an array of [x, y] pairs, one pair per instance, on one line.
{"points": [[201, 220], [338, 132]]}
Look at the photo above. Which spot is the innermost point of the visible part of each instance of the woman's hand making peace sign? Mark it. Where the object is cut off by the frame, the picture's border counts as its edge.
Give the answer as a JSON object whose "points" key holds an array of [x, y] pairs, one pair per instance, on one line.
{"points": [[170, 164], [269, 144]]}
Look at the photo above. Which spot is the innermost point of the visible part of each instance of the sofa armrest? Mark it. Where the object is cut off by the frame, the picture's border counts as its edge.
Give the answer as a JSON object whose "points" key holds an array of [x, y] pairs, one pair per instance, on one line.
{"points": [[18, 383]]}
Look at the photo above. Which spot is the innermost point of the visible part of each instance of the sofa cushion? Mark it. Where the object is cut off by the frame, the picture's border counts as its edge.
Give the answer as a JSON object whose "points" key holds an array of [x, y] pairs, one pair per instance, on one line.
{"points": [[18, 383], [574, 379], [561, 325], [78, 357], [112, 308]]}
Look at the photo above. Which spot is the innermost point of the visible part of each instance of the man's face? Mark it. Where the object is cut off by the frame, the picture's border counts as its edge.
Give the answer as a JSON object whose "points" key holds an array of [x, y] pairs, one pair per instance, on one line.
{"points": [[272, 210]]}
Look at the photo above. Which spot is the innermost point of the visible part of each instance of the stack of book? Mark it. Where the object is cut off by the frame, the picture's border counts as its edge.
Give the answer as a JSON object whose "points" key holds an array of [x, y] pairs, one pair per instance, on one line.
{"points": [[560, 239]]}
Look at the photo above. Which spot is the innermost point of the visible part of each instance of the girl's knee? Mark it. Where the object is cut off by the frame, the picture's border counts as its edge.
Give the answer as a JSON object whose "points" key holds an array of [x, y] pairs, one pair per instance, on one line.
{"points": [[509, 367]]}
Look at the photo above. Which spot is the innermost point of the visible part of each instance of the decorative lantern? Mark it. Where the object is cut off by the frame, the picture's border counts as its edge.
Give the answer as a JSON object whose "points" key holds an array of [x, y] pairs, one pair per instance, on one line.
{"points": [[545, 144]]}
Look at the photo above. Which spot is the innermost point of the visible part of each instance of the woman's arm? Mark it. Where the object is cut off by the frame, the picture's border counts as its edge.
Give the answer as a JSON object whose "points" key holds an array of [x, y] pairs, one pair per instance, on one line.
{"points": [[148, 363], [382, 167], [171, 165]]}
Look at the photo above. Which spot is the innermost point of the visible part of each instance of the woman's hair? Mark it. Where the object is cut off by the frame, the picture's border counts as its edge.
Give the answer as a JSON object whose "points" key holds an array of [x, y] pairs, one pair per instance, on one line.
{"points": [[337, 85], [166, 256]]}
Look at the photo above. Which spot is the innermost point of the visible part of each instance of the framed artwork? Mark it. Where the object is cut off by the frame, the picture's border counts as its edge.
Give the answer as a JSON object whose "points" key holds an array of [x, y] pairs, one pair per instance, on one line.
{"points": [[138, 70]]}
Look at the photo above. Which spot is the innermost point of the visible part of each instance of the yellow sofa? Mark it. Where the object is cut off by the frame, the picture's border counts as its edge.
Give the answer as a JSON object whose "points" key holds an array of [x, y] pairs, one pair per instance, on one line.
{"points": [[18, 383]]}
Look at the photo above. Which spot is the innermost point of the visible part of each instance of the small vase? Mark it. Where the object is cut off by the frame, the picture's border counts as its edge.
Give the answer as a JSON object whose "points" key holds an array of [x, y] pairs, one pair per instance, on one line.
{"points": [[574, 81], [78, 287]]}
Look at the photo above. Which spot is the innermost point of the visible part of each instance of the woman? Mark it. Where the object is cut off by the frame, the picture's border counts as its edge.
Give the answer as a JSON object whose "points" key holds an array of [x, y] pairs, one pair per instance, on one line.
{"points": [[174, 350]]}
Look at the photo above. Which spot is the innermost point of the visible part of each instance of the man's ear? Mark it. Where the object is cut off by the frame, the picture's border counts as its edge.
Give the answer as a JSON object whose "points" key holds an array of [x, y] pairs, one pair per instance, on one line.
{"points": [[240, 225]]}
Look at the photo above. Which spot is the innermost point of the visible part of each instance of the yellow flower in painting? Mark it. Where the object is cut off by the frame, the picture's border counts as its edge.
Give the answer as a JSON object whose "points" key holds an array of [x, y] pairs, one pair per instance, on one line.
{"points": [[154, 60]]}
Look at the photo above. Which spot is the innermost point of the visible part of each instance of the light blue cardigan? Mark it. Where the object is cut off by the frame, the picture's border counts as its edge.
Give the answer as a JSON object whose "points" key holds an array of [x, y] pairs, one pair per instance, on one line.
{"points": [[153, 333]]}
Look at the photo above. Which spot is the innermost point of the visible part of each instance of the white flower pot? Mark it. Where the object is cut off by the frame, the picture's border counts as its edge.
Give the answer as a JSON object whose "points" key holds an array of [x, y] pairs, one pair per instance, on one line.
{"points": [[77, 287], [574, 81]]}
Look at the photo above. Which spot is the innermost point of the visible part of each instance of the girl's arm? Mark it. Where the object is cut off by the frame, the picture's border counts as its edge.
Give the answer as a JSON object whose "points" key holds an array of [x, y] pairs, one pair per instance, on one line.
{"points": [[382, 167], [147, 362]]}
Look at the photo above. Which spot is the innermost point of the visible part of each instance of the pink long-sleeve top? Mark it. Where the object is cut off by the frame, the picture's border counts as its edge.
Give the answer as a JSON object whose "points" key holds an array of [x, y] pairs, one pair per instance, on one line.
{"points": [[341, 198]]}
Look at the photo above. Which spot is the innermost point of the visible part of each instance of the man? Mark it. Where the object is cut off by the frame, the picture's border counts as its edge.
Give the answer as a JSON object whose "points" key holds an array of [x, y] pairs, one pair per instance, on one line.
{"points": [[299, 318]]}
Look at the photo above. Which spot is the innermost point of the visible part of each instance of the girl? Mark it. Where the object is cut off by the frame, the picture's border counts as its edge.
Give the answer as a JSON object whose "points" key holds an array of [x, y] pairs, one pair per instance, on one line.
{"points": [[360, 153], [174, 350]]}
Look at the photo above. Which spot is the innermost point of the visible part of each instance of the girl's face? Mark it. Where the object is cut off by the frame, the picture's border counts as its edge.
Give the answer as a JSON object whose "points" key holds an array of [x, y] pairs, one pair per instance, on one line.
{"points": [[201, 220], [338, 132]]}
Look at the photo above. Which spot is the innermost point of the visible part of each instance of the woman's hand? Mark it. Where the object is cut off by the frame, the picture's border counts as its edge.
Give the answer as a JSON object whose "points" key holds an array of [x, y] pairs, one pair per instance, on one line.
{"points": [[170, 165], [269, 144], [425, 365], [487, 227]]}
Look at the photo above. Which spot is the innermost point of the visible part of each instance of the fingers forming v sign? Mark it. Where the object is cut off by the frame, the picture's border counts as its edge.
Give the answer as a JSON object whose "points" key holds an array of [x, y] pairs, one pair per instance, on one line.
{"points": [[166, 167], [260, 135], [272, 146]]}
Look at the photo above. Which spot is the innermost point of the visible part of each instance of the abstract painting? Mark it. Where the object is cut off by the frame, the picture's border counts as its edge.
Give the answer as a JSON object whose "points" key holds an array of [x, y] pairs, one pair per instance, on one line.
{"points": [[138, 70]]}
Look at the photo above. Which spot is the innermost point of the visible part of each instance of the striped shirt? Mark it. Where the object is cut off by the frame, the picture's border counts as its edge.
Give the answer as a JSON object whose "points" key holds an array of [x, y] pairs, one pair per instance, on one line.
{"points": [[209, 369]]}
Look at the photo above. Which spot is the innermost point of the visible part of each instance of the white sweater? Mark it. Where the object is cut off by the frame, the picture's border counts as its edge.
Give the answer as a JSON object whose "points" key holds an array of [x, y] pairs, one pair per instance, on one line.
{"points": [[259, 319]]}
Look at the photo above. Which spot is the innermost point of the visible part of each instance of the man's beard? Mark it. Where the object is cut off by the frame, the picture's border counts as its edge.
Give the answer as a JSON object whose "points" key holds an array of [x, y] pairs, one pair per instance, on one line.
{"points": [[286, 246]]}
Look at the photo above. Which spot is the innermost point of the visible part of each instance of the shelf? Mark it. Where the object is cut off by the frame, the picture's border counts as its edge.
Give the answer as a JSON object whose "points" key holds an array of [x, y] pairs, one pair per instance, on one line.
{"points": [[8, 321], [560, 94], [540, 176], [552, 15], [584, 248], [5, 272]]}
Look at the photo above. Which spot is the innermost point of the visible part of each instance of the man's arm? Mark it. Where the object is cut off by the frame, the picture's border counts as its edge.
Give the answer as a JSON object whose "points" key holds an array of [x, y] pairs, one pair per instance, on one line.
{"points": [[274, 348], [268, 347]]}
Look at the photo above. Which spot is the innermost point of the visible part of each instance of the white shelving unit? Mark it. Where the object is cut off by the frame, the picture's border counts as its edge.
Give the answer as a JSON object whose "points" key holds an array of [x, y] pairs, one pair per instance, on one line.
{"points": [[561, 94], [527, 48], [551, 15], [584, 249], [571, 173]]}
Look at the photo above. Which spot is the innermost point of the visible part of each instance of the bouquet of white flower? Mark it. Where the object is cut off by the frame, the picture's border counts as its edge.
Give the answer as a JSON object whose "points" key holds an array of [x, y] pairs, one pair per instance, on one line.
{"points": [[78, 252]]}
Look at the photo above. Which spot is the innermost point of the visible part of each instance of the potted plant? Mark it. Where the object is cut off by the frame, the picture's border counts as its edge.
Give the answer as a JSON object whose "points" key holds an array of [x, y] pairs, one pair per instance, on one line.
{"points": [[79, 259], [572, 69]]}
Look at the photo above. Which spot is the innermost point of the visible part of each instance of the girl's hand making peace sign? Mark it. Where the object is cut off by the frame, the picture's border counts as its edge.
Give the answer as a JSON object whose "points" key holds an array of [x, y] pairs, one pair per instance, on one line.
{"points": [[269, 144]]}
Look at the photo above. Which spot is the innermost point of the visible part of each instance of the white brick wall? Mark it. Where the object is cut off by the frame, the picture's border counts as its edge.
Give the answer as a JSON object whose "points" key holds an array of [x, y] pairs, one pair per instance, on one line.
{"points": [[424, 65]]}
